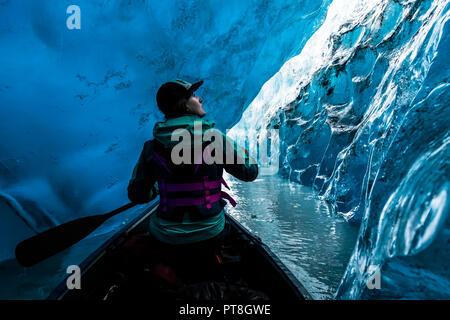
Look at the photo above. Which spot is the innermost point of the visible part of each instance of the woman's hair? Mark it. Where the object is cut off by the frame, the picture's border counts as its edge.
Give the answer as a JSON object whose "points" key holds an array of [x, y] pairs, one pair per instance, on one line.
{"points": [[176, 110]]}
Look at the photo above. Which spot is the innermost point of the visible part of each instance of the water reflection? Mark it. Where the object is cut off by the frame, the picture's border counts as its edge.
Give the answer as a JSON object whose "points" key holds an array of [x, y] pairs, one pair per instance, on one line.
{"points": [[298, 227]]}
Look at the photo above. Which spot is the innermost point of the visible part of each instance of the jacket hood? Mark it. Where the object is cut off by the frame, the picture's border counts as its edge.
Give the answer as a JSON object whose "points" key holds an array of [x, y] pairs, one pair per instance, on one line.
{"points": [[163, 130]]}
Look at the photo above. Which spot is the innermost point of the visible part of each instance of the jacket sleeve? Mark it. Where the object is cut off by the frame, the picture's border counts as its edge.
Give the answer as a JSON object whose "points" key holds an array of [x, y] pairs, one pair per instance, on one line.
{"points": [[142, 187], [243, 166]]}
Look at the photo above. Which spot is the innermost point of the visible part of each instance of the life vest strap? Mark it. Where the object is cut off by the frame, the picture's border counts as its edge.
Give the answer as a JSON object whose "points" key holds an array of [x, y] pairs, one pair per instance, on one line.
{"points": [[198, 201], [195, 201], [195, 186], [222, 180], [207, 200], [228, 197]]}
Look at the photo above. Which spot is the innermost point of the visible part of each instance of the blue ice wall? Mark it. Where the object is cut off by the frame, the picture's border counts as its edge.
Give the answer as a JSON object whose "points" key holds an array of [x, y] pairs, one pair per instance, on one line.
{"points": [[76, 106], [363, 116]]}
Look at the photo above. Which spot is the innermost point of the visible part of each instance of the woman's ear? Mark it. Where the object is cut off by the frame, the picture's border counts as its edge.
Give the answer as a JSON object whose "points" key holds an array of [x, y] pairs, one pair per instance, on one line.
{"points": [[187, 107]]}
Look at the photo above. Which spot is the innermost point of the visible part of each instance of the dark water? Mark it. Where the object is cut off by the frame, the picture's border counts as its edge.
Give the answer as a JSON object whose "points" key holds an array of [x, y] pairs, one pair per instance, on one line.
{"points": [[298, 227]]}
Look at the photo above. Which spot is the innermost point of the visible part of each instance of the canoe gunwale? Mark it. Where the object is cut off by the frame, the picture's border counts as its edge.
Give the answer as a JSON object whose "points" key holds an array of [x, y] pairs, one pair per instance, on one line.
{"points": [[119, 237], [61, 290], [273, 259]]}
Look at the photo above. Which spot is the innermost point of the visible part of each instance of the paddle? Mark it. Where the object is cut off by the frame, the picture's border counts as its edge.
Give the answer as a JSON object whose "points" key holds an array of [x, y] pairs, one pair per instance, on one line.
{"points": [[48, 243]]}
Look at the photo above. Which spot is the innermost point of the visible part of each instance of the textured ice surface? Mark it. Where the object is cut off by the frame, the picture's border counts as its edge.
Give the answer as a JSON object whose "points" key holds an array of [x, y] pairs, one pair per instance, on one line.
{"points": [[363, 118]]}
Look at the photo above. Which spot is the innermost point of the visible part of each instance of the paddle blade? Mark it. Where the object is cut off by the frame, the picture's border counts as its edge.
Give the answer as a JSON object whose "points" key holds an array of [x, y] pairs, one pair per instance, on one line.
{"points": [[46, 244]]}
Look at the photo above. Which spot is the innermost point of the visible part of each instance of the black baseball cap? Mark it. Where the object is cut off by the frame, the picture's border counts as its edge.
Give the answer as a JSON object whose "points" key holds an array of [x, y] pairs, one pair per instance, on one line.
{"points": [[171, 92]]}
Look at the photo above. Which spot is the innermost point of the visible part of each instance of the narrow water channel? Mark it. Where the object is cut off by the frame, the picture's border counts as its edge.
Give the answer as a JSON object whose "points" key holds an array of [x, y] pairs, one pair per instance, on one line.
{"points": [[298, 227]]}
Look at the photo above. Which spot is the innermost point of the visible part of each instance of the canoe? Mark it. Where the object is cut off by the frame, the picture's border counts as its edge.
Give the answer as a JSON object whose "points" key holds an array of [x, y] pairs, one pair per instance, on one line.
{"points": [[131, 265]]}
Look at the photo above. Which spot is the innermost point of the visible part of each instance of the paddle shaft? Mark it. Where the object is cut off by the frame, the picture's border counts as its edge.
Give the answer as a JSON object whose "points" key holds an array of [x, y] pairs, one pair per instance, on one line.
{"points": [[46, 244]]}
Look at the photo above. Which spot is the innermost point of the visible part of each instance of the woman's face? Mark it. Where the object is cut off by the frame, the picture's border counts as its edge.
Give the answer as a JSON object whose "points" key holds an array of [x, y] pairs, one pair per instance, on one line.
{"points": [[194, 105]]}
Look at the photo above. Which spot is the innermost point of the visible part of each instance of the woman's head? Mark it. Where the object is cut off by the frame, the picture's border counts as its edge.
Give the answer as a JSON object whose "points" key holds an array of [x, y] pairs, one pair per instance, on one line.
{"points": [[194, 105], [176, 98]]}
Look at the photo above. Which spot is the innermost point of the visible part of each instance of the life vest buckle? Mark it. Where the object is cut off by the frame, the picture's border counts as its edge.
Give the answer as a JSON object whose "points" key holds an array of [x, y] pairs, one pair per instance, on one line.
{"points": [[207, 192]]}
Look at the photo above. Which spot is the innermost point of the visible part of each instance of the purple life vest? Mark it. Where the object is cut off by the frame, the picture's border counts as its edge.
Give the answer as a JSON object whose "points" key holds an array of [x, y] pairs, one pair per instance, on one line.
{"points": [[210, 191]]}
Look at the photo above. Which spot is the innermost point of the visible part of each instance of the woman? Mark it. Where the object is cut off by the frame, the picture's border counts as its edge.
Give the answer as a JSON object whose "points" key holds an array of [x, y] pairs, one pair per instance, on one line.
{"points": [[191, 197]]}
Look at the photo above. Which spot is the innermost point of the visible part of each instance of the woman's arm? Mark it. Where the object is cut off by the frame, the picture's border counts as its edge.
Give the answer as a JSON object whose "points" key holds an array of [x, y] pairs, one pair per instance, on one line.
{"points": [[243, 166], [142, 187]]}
